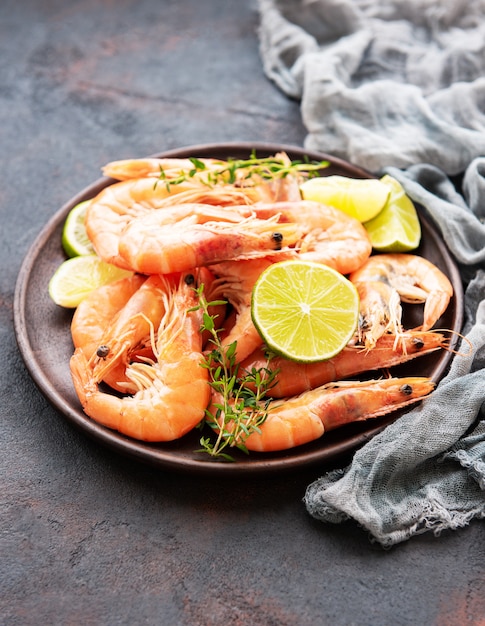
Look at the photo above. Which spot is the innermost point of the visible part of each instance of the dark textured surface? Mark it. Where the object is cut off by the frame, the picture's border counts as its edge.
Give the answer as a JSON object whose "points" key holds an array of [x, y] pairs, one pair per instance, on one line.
{"points": [[89, 537]]}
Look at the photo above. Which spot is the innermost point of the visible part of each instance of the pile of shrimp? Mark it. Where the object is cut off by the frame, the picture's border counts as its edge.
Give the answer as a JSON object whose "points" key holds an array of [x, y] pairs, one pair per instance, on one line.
{"points": [[139, 351]]}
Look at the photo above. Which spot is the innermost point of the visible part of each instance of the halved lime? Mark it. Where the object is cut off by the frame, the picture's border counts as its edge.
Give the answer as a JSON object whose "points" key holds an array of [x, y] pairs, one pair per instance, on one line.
{"points": [[75, 240], [77, 277], [397, 227], [361, 198], [304, 311]]}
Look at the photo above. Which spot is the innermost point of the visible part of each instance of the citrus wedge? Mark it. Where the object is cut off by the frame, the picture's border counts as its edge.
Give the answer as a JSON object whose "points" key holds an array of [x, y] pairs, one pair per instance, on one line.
{"points": [[75, 240], [304, 311], [77, 277], [360, 198], [396, 228]]}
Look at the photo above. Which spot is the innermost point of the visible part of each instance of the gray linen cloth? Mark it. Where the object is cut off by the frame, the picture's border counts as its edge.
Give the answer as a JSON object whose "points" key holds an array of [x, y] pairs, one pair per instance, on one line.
{"points": [[397, 88]]}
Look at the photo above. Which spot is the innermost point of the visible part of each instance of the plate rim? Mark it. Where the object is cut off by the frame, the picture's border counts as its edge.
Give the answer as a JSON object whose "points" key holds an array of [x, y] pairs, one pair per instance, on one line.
{"points": [[290, 460]]}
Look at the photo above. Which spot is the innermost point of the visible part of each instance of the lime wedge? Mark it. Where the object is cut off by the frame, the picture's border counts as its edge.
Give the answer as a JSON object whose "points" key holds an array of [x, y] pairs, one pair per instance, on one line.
{"points": [[304, 311], [360, 198], [75, 240], [397, 227], [77, 277]]}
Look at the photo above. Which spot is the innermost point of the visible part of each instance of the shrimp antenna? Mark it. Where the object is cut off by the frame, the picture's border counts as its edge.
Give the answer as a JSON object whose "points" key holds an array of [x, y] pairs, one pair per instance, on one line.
{"points": [[460, 336]]}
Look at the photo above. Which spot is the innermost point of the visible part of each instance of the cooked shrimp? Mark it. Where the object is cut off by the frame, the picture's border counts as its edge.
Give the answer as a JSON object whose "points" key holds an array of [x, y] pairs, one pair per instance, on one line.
{"points": [[113, 325], [208, 173], [155, 243], [407, 278], [92, 316], [307, 417], [173, 390], [293, 378], [329, 235], [128, 332], [207, 235], [115, 206], [170, 168], [380, 312]]}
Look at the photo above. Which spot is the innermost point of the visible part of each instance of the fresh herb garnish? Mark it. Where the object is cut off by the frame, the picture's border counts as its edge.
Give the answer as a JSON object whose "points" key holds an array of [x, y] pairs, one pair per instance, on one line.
{"points": [[245, 171], [241, 405]]}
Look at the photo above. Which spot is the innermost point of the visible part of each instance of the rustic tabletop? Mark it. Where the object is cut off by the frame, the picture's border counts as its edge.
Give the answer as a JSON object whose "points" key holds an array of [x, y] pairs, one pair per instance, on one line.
{"points": [[89, 535]]}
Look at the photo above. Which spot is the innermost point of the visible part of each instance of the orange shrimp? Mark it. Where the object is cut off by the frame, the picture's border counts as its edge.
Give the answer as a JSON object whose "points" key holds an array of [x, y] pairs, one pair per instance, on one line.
{"points": [[119, 204], [159, 242], [173, 390], [114, 324], [99, 308], [386, 280], [329, 236], [307, 417], [127, 334], [293, 378], [170, 168], [203, 235], [209, 173]]}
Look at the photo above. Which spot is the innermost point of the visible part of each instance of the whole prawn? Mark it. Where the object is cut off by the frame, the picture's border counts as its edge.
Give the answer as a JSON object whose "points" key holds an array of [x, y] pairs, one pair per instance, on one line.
{"points": [[205, 174], [128, 332], [169, 169], [293, 378], [201, 236], [172, 390], [113, 325], [193, 235], [386, 280], [307, 417], [93, 315]]}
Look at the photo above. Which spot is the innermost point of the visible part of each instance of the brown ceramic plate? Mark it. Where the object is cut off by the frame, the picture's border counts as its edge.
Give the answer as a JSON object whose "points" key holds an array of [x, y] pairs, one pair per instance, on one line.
{"points": [[44, 340]]}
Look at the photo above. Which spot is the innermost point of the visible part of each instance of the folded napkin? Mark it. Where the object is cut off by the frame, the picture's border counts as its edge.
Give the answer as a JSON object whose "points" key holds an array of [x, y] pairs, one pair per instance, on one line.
{"points": [[397, 88]]}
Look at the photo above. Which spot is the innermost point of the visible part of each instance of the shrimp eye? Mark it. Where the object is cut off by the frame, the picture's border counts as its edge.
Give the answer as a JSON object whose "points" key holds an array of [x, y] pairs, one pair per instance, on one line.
{"points": [[407, 390], [418, 343], [277, 238], [189, 279], [102, 351]]}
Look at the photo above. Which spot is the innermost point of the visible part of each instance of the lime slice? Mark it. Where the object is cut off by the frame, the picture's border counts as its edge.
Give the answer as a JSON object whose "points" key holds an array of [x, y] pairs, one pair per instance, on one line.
{"points": [[304, 311], [75, 240], [77, 277], [360, 198], [397, 227]]}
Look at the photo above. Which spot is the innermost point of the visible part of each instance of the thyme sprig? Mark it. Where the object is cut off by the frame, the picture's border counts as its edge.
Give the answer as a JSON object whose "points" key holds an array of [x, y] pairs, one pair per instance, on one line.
{"points": [[242, 405], [244, 170]]}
